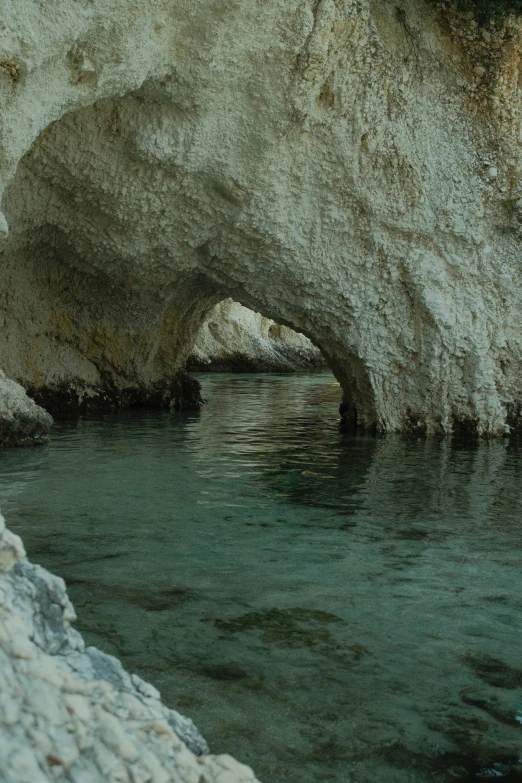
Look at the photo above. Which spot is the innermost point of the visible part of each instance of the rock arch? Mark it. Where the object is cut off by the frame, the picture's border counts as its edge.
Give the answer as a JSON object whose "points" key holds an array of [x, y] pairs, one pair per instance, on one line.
{"points": [[345, 169]]}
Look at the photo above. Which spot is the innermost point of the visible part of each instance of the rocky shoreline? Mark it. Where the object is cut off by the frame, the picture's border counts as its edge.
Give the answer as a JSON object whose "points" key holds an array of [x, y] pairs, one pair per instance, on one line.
{"points": [[22, 421], [72, 713]]}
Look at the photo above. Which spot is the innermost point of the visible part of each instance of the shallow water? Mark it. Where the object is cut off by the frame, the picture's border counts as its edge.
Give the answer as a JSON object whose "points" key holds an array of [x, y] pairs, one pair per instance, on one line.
{"points": [[325, 607]]}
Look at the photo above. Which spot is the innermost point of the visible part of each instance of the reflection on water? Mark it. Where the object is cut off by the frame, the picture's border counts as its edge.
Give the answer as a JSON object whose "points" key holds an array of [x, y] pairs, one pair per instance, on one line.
{"points": [[327, 608]]}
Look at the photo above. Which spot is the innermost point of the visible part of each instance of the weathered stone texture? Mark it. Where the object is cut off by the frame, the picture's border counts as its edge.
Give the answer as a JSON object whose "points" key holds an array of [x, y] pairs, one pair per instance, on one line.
{"points": [[22, 422], [235, 339], [349, 169]]}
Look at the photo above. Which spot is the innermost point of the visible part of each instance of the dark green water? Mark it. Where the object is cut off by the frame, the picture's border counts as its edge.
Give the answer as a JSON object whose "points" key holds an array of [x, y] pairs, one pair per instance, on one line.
{"points": [[325, 607]]}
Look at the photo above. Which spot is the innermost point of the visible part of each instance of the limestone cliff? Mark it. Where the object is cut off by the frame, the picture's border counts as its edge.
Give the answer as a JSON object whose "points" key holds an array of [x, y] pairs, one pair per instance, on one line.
{"points": [[349, 169], [73, 713], [235, 339]]}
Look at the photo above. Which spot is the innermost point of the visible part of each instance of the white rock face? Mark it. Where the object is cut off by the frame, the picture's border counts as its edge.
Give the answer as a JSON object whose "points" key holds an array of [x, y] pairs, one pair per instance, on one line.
{"points": [[234, 338], [22, 422], [71, 713], [349, 169]]}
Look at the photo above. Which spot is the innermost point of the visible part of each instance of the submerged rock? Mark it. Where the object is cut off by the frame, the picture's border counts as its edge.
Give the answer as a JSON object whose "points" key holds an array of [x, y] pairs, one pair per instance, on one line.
{"points": [[22, 421], [72, 713]]}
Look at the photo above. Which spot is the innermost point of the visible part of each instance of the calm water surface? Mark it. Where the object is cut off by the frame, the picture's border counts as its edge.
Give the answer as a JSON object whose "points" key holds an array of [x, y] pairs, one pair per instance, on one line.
{"points": [[325, 607]]}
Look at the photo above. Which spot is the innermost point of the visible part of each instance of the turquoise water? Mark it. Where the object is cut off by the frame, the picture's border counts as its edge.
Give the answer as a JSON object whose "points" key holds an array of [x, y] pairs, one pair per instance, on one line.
{"points": [[325, 607]]}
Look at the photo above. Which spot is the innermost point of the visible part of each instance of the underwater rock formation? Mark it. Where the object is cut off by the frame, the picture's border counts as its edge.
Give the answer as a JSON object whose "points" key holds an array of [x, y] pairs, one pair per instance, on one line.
{"points": [[349, 169], [70, 712], [22, 422], [235, 339]]}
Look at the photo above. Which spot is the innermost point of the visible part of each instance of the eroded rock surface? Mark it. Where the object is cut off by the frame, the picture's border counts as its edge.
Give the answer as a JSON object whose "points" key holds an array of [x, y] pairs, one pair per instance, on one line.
{"points": [[349, 169], [72, 713], [22, 422], [235, 339]]}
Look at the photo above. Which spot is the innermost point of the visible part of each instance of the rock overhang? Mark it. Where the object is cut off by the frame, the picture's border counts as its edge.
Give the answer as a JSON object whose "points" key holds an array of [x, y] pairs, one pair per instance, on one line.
{"points": [[327, 164]]}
